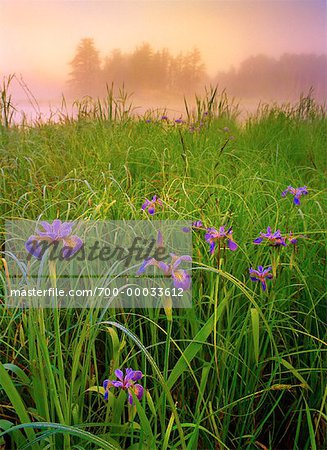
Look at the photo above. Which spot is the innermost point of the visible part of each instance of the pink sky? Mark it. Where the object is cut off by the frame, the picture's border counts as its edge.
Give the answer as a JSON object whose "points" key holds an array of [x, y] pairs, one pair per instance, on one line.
{"points": [[39, 38]]}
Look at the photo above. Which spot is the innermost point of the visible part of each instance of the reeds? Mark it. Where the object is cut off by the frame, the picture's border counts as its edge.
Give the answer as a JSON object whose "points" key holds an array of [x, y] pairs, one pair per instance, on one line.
{"points": [[241, 369]]}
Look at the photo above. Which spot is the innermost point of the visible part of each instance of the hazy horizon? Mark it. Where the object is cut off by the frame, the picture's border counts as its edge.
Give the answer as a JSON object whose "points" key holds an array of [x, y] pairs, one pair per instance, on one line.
{"points": [[38, 39]]}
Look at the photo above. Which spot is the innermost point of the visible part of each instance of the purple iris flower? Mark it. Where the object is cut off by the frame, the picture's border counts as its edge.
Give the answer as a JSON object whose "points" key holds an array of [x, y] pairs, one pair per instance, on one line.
{"points": [[291, 238], [196, 225], [179, 121], [276, 239], [53, 234], [260, 275], [214, 236], [297, 192], [164, 118], [180, 277], [150, 205], [127, 383]]}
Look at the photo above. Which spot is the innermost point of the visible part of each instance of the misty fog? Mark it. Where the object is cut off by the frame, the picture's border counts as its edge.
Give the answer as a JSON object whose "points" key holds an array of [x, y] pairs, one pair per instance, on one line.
{"points": [[159, 52]]}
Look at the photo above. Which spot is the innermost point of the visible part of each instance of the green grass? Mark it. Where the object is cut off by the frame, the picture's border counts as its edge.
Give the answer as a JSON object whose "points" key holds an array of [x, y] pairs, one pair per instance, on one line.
{"points": [[242, 369]]}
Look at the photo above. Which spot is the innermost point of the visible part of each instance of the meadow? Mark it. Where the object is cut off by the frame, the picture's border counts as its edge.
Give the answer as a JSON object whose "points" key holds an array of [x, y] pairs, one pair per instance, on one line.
{"points": [[243, 368]]}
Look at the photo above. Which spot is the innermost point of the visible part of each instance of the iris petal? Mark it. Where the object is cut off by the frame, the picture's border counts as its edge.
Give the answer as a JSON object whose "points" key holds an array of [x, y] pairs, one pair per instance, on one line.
{"points": [[137, 375], [119, 374], [72, 245], [164, 267], [46, 225], [37, 246], [136, 389], [145, 204], [117, 384], [160, 242], [145, 264], [56, 224], [181, 279], [65, 229], [232, 245], [139, 390], [212, 247], [180, 259]]}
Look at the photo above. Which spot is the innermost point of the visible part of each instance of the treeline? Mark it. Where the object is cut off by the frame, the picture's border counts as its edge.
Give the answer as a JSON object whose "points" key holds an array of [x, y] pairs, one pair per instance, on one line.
{"points": [[286, 77], [145, 70]]}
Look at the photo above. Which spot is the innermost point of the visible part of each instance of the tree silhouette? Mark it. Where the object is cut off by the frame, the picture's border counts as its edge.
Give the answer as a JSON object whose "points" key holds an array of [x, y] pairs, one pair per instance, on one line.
{"points": [[146, 70], [141, 64], [116, 68], [160, 69], [193, 71], [143, 70], [284, 78], [86, 70]]}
